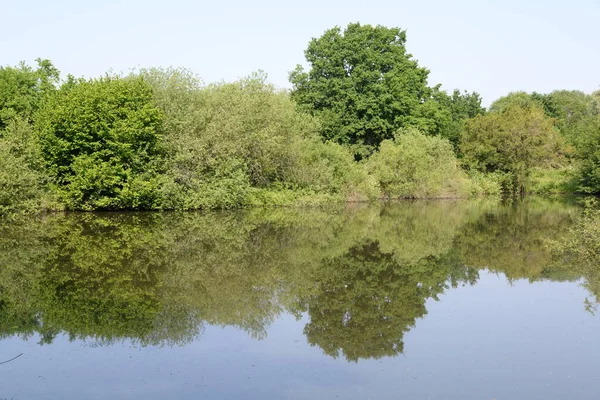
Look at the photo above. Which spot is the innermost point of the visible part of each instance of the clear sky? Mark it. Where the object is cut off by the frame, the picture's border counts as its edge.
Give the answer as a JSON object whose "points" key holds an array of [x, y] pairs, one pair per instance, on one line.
{"points": [[492, 47]]}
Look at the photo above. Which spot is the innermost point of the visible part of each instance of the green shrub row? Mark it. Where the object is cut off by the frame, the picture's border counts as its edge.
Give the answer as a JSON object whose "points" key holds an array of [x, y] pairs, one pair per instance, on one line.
{"points": [[160, 139]]}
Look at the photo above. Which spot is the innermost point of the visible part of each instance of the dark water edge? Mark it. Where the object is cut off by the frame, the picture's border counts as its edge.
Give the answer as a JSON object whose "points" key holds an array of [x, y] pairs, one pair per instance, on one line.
{"points": [[423, 300]]}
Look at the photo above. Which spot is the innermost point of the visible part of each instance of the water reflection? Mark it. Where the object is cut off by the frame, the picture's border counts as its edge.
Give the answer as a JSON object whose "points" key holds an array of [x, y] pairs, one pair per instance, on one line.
{"points": [[362, 275]]}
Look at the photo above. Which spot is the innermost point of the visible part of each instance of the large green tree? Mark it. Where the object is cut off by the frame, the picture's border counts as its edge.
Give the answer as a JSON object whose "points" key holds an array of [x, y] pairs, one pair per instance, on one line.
{"points": [[461, 107], [364, 85], [521, 99]]}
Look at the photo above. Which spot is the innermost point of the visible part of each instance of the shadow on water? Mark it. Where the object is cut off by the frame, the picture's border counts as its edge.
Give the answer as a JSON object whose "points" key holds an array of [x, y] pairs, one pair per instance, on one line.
{"points": [[362, 275]]}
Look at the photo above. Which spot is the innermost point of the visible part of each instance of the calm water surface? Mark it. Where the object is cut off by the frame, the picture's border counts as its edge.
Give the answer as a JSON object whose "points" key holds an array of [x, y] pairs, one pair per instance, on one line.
{"points": [[421, 300]]}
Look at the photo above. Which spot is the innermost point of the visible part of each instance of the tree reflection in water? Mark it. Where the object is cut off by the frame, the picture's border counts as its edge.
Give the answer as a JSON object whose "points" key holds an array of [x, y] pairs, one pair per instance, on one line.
{"points": [[362, 275]]}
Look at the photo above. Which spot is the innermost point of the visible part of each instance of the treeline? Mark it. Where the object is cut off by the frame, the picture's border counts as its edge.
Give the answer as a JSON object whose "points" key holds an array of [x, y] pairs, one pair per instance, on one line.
{"points": [[361, 123]]}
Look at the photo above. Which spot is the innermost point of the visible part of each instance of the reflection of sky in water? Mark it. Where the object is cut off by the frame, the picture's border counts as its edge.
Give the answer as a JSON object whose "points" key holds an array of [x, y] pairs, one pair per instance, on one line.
{"points": [[491, 340]]}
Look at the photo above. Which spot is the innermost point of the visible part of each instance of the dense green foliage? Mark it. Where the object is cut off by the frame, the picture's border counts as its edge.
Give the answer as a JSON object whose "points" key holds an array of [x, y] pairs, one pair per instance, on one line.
{"points": [[512, 142], [414, 165], [587, 155], [100, 140], [462, 106], [21, 176], [22, 89], [244, 143], [363, 86], [361, 123], [576, 116], [568, 108]]}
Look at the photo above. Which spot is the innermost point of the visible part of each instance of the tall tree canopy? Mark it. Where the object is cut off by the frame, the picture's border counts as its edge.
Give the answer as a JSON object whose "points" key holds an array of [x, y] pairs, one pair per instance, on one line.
{"points": [[364, 85]]}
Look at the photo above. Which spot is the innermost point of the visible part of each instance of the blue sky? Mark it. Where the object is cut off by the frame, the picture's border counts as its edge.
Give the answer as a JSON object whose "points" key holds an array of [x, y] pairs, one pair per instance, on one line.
{"points": [[492, 47]]}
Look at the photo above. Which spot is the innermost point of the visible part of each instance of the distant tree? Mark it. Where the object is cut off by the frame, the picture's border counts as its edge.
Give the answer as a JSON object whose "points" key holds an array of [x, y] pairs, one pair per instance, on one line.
{"points": [[568, 108], [570, 105], [521, 99], [587, 145], [461, 106], [512, 141], [363, 85], [596, 97], [100, 141], [571, 110], [465, 105], [22, 89]]}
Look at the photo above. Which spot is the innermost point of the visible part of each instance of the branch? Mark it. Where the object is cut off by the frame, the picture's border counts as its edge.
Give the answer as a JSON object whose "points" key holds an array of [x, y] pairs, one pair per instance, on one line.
{"points": [[14, 358]]}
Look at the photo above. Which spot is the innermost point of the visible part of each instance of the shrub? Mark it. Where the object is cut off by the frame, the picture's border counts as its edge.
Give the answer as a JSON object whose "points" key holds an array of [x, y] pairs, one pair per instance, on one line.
{"points": [[489, 184], [21, 181], [414, 165], [553, 180], [511, 141], [244, 143], [587, 153], [101, 143], [330, 168]]}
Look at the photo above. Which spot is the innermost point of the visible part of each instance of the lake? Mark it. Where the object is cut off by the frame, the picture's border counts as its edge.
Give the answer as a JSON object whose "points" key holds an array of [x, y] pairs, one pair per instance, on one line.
{"points": [[411, 300]]}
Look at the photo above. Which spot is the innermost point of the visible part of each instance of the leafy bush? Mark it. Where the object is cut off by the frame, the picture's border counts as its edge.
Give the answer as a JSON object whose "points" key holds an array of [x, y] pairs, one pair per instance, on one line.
{"points": [[101, 143], [223, 139], [244, 143], [553, 180], [330, 168], [414, 165], [511, 142], [21, 181], [489, 184], [587, 154]]}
